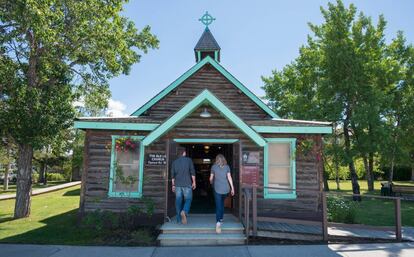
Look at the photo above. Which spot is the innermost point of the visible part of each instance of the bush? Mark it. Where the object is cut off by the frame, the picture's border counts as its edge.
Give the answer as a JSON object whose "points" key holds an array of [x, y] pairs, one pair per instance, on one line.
{"points": [[56, 177], [35, 177], [401, 173], [341, 210]]}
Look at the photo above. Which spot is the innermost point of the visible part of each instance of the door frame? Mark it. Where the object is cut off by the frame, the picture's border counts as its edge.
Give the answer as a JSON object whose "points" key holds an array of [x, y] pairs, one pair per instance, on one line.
{"points": [[189, 141]]}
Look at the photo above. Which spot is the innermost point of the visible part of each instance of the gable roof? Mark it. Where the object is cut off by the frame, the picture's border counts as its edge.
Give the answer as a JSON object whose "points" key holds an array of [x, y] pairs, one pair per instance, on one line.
{"points": [[194, 69], [207, 41], [204, 97]]}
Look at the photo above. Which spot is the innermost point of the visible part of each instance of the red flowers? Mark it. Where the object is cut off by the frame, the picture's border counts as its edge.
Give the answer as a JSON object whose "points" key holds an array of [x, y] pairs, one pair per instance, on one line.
{"points": [[124, 144]]}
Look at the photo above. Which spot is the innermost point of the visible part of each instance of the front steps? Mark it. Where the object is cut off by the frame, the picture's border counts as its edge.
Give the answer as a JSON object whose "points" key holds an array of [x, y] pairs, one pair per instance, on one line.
{"points": [[201, 230]]}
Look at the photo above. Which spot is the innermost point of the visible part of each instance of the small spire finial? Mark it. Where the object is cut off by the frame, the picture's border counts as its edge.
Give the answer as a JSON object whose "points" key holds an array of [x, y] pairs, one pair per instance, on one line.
{"points": [[207, 19]]}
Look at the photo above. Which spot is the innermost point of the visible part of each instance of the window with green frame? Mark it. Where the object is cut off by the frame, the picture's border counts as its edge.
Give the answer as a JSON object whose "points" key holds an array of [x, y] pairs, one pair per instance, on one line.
{"points": [[280, 168], [127, 163]]}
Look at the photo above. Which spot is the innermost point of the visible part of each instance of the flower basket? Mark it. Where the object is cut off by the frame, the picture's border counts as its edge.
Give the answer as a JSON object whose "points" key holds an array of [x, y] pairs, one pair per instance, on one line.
{"points": [[125, 144]]}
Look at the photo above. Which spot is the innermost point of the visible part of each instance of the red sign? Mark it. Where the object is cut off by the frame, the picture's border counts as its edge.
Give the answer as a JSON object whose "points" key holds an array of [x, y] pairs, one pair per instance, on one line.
{"points": [[250, 175]]}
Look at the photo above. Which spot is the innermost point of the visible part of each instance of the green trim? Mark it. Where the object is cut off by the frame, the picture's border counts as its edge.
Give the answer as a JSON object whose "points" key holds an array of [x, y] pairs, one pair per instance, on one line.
{"points": [[135, 194], [293, 129], [204, 97], [291, 195], [216, 55], [205, 140], [115, 125], [194, 69], [198, 56]]}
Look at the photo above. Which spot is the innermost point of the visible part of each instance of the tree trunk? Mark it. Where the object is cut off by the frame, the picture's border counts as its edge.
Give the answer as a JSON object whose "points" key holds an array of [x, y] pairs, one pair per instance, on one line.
{"points": [[371, 171], [6, 177], [42, 173], [368, 175], [24, 181], [412, 172], [7, 169], [325, 180], [351, 165], [391, 175]]}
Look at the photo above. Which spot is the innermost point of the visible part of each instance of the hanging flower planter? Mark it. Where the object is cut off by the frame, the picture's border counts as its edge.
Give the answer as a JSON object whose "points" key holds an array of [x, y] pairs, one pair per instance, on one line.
{"points": [[125, 144]]}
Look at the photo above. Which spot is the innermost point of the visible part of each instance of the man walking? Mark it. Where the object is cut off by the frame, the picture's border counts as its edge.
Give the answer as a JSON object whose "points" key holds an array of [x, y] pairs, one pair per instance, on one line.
{"points": [[183, 182]]}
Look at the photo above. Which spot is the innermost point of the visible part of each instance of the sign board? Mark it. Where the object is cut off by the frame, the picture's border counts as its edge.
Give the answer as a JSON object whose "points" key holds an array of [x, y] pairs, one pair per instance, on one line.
{"points": [[250, 174], [251, 158], [156, 159]]}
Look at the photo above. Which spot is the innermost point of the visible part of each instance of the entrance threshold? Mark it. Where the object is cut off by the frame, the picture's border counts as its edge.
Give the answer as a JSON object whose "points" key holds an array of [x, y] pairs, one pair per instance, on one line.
{"points": [[200, 230]]}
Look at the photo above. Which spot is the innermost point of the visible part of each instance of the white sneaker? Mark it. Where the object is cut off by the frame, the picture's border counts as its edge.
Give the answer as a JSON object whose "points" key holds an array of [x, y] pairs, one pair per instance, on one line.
{"points": [[218, 227]]}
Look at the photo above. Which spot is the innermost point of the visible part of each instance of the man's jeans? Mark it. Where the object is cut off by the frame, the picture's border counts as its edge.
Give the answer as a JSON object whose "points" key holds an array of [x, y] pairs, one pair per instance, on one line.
{"points": [[187, 193]]}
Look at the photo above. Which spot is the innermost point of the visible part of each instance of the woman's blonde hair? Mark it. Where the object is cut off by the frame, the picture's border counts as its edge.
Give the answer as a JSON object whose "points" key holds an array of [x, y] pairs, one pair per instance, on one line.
{"points": [[220, 160]]}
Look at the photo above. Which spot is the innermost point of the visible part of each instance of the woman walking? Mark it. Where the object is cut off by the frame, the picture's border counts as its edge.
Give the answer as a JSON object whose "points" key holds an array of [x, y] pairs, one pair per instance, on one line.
{"points": [[220, 178]]}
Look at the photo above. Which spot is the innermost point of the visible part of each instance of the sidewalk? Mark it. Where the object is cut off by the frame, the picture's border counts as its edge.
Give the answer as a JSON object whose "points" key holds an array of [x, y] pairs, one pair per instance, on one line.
{"points": [[43, 190], [362, 250]]}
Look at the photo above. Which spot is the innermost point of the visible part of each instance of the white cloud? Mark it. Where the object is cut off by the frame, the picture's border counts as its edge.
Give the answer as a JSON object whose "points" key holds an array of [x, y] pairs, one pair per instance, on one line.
{"points": [[116, 108]]}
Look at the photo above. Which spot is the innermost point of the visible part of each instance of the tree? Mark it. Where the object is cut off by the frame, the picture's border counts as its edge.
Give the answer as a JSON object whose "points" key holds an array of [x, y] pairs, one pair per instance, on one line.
{"points": [[342, 75], [52, 53], [7, 157]]}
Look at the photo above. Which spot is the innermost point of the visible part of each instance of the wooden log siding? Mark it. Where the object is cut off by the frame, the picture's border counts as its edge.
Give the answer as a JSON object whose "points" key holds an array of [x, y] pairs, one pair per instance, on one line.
{"points": [[208, 78], [95, 184], [308, 177], [96, 177]]}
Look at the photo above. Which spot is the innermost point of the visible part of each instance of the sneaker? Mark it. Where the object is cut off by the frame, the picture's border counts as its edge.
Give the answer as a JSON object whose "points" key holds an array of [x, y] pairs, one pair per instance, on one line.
{"points": [[218, 227], [183, 217]]}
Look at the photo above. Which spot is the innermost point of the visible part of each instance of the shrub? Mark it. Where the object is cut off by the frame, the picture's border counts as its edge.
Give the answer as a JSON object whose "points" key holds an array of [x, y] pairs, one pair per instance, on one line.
{"points": [[56, 177], [35, 177], [341, 210]]}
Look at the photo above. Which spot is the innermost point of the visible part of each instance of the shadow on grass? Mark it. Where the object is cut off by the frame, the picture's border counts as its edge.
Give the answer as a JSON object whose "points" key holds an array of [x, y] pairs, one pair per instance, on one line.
{"points": [[74, 192], [59, 229], [5, 218]]}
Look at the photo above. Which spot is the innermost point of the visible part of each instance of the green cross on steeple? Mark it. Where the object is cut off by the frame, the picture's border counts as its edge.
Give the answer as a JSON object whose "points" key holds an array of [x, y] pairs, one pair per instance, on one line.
{"points": [[207, 19]]}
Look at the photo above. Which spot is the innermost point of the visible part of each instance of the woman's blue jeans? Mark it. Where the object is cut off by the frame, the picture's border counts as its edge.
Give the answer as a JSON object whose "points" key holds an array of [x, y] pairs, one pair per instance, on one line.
{"points": [[219, 199], [187, 194]]}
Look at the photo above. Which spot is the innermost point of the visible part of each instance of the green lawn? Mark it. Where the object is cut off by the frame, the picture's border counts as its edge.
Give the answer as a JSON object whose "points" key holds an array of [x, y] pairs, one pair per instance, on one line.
{"points": [[346, 186], [12, 187], [53, 220], [377, 211]]}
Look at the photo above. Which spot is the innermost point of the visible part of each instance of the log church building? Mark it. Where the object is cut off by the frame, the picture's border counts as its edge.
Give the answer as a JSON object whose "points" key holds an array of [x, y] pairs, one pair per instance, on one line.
{"points": [[205, 111]]}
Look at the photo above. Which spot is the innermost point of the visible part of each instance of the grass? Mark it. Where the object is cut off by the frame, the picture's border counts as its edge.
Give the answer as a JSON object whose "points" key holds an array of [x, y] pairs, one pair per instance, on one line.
{"points": [[378, 212], [54, 220], [346, 186], [12, 187]]}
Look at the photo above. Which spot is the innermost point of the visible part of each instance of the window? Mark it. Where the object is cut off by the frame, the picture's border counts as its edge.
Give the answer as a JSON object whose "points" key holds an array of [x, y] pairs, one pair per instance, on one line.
{"points": [[280, 168], [127, 154]]}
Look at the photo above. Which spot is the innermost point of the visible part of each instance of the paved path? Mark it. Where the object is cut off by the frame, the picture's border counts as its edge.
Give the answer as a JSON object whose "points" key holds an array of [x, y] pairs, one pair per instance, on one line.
{"points": [[43, 190], [407, 233], [357, 250]]}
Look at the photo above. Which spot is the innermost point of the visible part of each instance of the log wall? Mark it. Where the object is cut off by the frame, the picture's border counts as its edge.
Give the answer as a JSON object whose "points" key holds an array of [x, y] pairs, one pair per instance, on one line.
{"points": [[94, 194], [207, 78]]}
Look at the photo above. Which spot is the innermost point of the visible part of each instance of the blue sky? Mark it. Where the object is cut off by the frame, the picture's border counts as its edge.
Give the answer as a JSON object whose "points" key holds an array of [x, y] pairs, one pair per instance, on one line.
{"points": [[256, 37]]}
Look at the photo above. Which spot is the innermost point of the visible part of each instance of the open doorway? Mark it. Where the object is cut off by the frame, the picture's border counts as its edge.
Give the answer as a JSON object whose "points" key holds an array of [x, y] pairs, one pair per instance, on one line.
{"points": [[203, 156]]}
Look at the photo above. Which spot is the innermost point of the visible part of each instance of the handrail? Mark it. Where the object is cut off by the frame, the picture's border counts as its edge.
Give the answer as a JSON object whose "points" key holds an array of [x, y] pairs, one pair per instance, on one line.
{"points": [[250, 193]]}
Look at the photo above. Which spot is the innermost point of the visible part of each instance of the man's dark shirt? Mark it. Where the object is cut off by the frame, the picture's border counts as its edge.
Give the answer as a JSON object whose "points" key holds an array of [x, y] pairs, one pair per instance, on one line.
{"points": [[182, 169]]}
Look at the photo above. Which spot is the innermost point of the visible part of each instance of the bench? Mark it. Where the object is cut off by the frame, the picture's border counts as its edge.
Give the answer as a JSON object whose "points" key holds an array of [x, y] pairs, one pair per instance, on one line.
{"points": [[400, 189]]}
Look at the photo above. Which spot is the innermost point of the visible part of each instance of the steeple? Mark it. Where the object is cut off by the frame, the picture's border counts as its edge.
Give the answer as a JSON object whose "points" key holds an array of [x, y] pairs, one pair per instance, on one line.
{"points": [[207, 44]]}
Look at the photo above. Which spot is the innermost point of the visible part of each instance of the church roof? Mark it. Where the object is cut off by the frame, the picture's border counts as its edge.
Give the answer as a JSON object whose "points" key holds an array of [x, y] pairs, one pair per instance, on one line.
{"points": [[207, 42]]}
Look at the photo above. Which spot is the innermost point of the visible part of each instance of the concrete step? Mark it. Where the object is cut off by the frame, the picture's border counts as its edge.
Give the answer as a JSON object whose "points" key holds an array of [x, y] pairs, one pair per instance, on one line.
{"points": [[203, 223], [201, 239]]}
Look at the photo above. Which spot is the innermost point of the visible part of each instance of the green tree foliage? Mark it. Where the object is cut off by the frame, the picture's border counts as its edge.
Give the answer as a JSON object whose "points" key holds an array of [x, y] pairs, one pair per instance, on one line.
{"points": [[53, 52], [348, 75]]}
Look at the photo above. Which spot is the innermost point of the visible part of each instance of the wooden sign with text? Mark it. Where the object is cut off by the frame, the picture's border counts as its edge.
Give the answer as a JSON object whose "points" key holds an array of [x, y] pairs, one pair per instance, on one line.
{"points": [[250, 175], [156, 159]]}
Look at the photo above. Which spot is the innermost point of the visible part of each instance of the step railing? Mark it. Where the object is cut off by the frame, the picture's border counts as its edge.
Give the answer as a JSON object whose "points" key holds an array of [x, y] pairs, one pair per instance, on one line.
{"points": [[248, 198], [249, 201]]}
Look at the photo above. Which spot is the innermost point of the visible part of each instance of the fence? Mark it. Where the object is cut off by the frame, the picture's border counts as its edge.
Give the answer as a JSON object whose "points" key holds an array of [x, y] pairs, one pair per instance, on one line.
{"points": [[248, 212]]}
